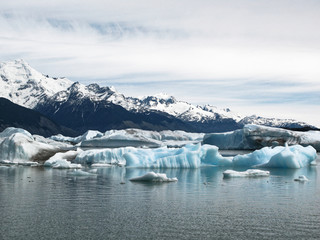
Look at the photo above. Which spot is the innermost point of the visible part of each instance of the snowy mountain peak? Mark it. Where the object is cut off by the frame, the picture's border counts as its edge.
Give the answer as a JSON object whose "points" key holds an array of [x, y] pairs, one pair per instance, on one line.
{"points": [[25, 86]]}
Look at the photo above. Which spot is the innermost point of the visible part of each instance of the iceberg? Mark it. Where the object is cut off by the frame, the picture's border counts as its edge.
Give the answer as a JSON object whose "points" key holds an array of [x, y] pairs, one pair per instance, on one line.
{"points": [[154, 177], [301, 178], [86, 136], [189, 156], [142, 138], [279, 157], [103, 156], [60, 160], [64, 164], [18, 145], [255, 137], [247, 173]]}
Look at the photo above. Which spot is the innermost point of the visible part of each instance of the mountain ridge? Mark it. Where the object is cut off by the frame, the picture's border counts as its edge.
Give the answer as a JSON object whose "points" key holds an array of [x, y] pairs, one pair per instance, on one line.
{"points": [[25, 86]]}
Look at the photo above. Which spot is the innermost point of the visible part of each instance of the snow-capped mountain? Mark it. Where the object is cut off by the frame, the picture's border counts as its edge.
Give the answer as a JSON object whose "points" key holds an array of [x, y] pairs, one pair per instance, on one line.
{"points": [[80, 107], [25, 86]]}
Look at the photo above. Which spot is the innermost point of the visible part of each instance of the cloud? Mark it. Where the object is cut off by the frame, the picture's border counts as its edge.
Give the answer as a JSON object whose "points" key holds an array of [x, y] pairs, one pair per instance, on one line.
{"points": [[227, 53]]}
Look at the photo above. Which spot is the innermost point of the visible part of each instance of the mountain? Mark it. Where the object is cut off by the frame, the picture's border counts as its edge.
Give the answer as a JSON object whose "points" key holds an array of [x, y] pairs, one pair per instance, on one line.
{"points": [[83, 107], [13, 115]]}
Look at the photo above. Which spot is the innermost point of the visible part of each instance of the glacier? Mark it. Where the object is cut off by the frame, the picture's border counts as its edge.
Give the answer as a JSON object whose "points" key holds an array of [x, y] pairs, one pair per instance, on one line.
{"points": [[247, 173], [256, 136], [154, 177], [88, 135]]}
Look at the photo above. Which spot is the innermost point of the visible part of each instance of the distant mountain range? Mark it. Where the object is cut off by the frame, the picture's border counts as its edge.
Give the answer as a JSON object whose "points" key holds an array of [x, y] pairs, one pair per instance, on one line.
{"points": [[81, 107]]}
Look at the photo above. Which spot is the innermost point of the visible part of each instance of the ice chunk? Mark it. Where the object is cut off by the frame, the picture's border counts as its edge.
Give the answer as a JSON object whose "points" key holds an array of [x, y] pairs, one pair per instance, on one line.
{"points": [[69, 155], [143, 138], [292, 157], [280, 157], [154, 177], [189, 156], [247, 173], [86, 136], [64, 164], [100, 165], [19, 145], [80, 173], [104, 156], [301, 178], [256, 137]]}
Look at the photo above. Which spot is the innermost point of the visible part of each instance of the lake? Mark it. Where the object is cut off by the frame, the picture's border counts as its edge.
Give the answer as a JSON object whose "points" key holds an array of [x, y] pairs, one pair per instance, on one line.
{"points": [[44, 203]]}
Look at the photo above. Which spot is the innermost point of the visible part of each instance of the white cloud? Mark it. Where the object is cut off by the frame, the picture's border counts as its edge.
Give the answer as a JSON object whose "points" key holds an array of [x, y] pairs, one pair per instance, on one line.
{"points": [[221, 52]]}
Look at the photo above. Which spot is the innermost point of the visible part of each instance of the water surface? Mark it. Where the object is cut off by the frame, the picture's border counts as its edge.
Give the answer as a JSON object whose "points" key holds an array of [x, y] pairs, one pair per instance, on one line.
{"points": [[41, 203]]}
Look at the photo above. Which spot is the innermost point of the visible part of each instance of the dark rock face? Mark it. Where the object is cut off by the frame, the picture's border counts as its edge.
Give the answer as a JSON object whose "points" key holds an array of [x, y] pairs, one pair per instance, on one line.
{"points": [[13, 115]]}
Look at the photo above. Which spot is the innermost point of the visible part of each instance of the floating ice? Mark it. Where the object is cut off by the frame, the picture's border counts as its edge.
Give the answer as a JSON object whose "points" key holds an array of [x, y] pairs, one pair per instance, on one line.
{"points": [[19, 145], [103, 156], [190, 156], [279, 157], [154, 177], [301, 178], [80, 173], [142, 138], [62, 158], [100, 165], [247, 173], [64, 164], [256, 137], [86, 136]]}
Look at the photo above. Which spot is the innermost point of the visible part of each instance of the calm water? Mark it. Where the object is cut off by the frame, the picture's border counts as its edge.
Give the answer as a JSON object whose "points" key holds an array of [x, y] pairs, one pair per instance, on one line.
{"points": [[39, 203]]}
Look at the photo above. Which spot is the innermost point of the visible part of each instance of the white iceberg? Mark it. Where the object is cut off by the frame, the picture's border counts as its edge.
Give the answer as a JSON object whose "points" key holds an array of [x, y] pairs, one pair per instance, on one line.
{"points": [[247, 173], [86, 136], [100, 165], [60, 160], [301, 178], [64, 164], [154, 177], [142, 138], [256, 137], [18, 145]]}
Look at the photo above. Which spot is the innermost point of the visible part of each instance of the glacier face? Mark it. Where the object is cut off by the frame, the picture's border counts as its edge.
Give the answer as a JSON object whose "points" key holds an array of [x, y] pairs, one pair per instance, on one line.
{"points": [[255, 137]]}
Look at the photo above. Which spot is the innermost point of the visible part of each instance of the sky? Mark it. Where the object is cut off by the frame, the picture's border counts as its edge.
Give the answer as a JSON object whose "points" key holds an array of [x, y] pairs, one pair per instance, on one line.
{"points": [[253, 56]]}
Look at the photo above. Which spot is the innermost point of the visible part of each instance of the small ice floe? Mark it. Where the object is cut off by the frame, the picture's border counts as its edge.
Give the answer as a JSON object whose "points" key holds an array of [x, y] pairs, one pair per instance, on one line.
{"points": [[80, 173], [301, 178], [31, 164], [154, 177], [64, 164], [101, 165], [248, 173], [7, 162]]}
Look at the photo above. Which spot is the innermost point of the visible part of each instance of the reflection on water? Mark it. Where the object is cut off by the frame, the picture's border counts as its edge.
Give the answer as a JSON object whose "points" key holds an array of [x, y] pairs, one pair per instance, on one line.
{"points": [[40, 203]]}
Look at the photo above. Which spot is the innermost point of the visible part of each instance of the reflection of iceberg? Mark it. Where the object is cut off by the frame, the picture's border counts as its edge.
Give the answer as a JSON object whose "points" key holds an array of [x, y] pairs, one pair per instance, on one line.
{"points": [[255, 137], [80, 173], [154, 177], [248, 173]]}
